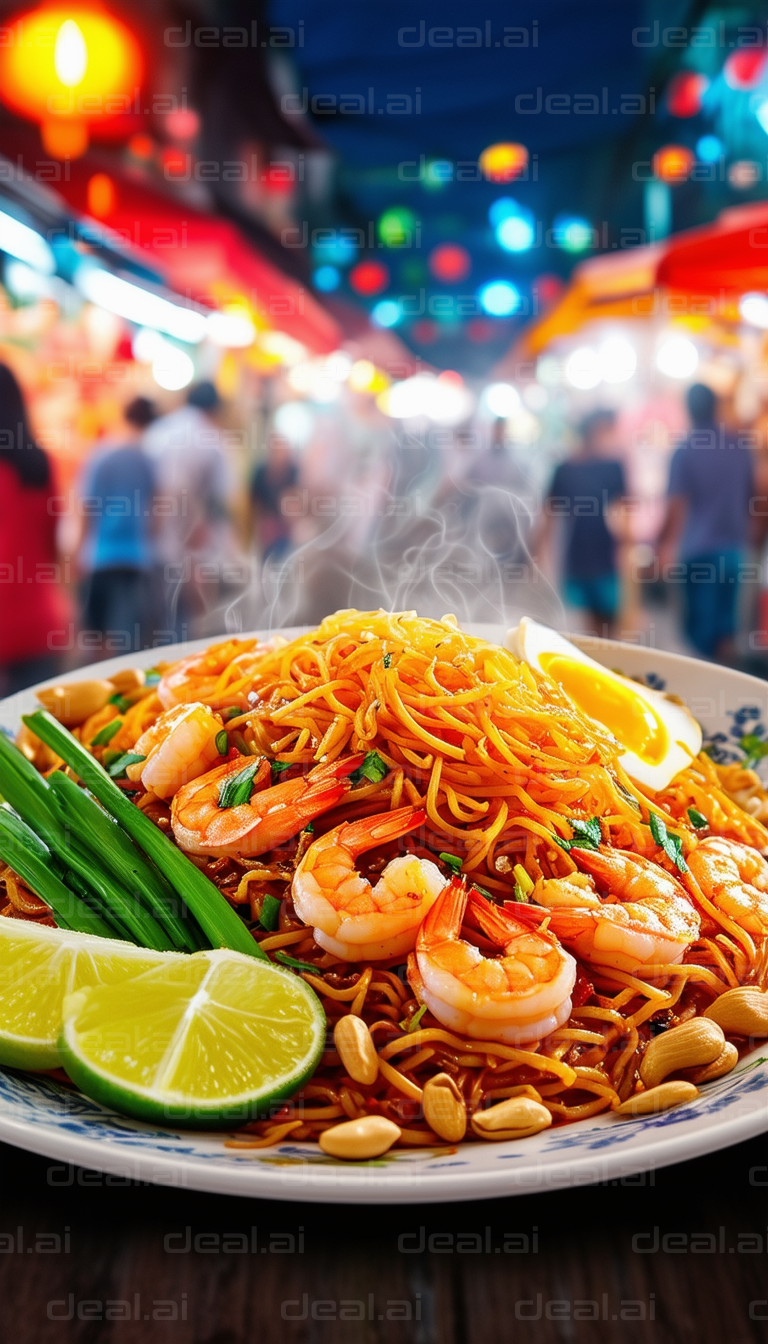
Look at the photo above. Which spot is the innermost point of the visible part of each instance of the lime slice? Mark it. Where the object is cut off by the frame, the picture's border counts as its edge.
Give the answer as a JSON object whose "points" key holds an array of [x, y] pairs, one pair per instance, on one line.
{"points": [[212, 1038], [38, 966]]}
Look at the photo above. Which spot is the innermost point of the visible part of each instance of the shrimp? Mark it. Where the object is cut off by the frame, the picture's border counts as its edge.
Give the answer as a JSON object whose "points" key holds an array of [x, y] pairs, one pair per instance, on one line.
{"points": [[650, 919], [270, 816], [519, 997], [735, 878], [199, 676], [178, 746], [350, 917]]}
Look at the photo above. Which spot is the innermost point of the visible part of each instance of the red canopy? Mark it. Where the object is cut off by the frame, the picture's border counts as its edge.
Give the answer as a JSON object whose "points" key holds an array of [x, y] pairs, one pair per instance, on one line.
{"points": [[202, 256], [727, 258]]}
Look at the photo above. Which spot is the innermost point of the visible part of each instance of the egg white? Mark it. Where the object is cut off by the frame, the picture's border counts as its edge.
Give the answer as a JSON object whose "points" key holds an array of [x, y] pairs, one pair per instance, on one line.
{"points": [[529, 640]]}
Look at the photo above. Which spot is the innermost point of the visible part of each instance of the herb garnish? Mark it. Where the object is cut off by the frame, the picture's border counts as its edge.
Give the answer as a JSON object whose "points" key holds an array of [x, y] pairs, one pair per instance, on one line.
{"points": [[671, 844]]}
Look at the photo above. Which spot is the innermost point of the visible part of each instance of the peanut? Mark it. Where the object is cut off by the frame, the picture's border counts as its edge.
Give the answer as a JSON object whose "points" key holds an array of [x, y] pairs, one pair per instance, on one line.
{"points": [[719, 1067], [356, 1049], [356, 1140], [698, 1041], [656, 1099], [75, 701], [130, 679], [35, 751], [743, 1011], [444, 1109], [515, 1118]]}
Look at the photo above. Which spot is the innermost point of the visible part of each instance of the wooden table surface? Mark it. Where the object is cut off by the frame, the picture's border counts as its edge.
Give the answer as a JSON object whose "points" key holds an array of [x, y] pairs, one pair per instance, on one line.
{"points": [[677, 1255]]}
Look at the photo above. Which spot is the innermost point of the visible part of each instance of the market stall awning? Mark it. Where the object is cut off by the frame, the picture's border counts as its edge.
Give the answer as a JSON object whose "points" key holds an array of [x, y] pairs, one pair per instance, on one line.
{"points": [[202, 256], [725, 259], [618, 285]]}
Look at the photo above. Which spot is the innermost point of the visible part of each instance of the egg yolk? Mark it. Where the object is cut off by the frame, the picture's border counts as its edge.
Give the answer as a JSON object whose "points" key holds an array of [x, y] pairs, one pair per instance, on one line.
{"points": [[631, 719]]}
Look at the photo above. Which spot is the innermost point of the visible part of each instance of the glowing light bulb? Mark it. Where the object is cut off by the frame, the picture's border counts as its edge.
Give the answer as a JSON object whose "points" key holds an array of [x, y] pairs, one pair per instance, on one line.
{"points": [[70, 54]]}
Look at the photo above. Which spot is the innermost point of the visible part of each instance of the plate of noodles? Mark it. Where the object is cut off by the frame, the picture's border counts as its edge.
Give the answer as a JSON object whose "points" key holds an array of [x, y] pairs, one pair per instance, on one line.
{"points": [[522, 878]]}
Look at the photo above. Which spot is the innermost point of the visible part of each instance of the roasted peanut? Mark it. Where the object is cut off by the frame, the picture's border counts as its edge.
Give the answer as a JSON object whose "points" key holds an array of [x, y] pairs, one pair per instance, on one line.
{"points": [[356, 1140], [656, 1099], [742, 1011], [515, 1118], [35, 751], [719, 1067], [356, 1049], [444, 1109], [698, 1041], [75, 701], [130, 679]]}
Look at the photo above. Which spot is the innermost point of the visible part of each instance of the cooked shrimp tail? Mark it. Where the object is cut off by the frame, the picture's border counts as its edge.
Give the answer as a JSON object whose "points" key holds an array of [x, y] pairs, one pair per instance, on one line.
{"points": [[203, 823], [646, 918], [518, 997], [352, 918]]}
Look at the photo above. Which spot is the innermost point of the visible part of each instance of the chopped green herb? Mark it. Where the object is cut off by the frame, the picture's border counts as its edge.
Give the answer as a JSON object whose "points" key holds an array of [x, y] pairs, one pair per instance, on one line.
{"points": [[373, 769], [118, 767], [387, 659], [586, 834], [309, 829], [152, 676], [237, 740], [413, 1023], [270, 912], [119, 701], [279, 767], [237, 789], [519, 895], [453, 862], [222, 743], [672, 845], [755, 749], [233, 712], [697, 818], [106, 733], [294, 964]]}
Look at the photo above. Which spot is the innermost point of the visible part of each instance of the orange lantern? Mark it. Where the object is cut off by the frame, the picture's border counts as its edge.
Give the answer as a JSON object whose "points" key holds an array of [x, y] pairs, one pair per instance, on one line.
{"points": [[673, 163], [70, 68], [503, 162]]}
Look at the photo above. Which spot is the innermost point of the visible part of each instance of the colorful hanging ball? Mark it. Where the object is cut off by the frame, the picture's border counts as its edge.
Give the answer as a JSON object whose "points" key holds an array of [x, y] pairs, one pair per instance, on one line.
{"points": [[685, 92], [449, 262], [745, 68], [369, 277]]}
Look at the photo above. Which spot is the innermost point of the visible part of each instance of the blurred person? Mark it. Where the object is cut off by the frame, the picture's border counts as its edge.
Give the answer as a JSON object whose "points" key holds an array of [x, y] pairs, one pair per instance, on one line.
{"points": [[196, 539], [708, 525], [274, 479], [34, 610], [116, 550], [583, 494]]}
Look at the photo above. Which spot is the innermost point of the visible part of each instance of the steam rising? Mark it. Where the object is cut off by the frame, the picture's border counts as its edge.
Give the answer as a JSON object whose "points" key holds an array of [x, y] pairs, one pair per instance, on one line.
{"points": [[425, 544]]}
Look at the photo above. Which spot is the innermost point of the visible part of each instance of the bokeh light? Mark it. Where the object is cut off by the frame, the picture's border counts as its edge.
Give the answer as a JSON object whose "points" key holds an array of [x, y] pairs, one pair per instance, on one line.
{"points": [[396, 227], [685, 92], [503, 162], [573, 233], [386, 313], [517, 232], [499, 298], [449, 262], [369, 277], [673, 163], [744, 69], [677, 357], [327, 278], [709, 148]]}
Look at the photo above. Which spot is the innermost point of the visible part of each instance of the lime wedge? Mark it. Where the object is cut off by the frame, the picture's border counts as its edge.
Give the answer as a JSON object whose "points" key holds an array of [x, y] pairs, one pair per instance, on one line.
{"points": [[38, 966], [212, 1038]]}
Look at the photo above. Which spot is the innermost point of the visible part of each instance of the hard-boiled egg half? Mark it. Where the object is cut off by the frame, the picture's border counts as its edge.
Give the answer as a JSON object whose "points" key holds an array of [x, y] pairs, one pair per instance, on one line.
{"points": [[660, 738]]}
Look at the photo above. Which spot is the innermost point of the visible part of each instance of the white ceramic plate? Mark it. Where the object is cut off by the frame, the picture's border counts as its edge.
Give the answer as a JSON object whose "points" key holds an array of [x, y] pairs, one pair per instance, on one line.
{"points": [[43, 1117]]}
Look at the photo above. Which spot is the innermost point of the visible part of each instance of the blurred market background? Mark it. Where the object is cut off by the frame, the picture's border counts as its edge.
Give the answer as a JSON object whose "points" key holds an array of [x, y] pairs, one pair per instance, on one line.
{"points": [[324, 305]]}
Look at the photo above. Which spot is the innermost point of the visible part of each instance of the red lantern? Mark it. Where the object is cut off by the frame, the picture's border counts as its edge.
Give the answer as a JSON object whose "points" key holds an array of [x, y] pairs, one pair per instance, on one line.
{"points": [[449, 262], [673, 163], [745, 68], [72, 68], [369, 277], [685, 93]]}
